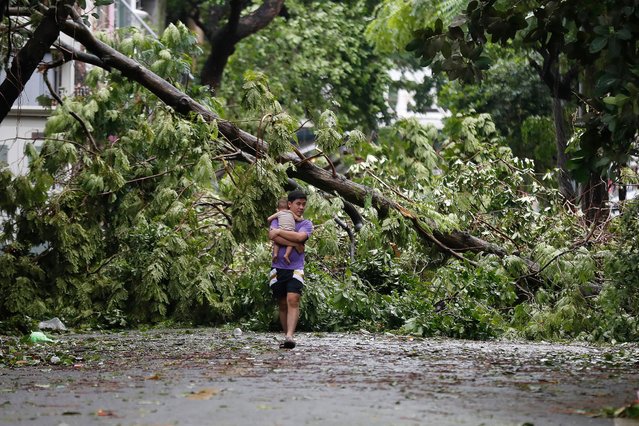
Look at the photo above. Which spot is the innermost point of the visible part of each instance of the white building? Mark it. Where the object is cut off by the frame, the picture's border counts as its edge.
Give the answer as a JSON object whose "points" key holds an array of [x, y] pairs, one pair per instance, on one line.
{"points": [[26, 120], [404, 100]]}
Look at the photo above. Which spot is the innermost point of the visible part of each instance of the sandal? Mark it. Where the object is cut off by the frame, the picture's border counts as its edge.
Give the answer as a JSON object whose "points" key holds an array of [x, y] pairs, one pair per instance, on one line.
{"points": [[289, 343]]}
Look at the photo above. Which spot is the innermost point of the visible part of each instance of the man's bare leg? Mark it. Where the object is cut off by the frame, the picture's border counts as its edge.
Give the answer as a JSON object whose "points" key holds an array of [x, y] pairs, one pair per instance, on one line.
{"points": [[283, 310], [292, 314], [289, 310]]}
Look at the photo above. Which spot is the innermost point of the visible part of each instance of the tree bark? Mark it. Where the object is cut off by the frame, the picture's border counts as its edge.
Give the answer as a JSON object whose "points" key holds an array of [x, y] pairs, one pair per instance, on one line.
{"points": [[560, 91], [561, 142], [4, 9], [594, 195], [594, 192], [31, 54]]}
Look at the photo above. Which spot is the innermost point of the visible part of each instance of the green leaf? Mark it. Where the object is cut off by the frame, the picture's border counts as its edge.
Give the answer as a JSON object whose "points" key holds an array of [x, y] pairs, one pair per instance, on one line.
{"points": [[483, 62], [455, 33], [624, 34], [598, 44], [605, 82], [617, 100]]}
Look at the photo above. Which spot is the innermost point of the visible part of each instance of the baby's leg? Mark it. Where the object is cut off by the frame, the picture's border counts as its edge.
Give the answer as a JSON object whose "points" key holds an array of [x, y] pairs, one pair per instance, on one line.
{"points": [[289, 249], [276, 251]]}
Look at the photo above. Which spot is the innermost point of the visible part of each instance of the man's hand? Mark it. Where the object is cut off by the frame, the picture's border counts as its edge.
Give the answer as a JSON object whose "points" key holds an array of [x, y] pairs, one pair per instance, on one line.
{"points": [[293, 237], [284, 242], [273, 233], [288, 238]]}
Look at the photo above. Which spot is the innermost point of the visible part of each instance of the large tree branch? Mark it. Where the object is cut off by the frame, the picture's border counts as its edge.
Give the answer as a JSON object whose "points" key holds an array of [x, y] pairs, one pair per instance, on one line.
{"points": [[69, 54], [259, 19], [28, 58], [452, 242]]}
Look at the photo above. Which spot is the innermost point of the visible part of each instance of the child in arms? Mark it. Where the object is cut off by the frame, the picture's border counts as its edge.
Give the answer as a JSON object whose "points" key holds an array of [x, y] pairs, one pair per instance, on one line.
{"points": [[286, 220]]}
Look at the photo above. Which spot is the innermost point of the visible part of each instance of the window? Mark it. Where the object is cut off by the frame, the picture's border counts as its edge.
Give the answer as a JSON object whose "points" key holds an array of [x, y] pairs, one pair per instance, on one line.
{"points": [[35, 87], [4, 155]]}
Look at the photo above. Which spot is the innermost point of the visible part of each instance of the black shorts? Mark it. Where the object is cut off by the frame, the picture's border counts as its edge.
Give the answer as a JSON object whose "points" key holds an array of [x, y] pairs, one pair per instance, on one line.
{"points": [[286, 284]]}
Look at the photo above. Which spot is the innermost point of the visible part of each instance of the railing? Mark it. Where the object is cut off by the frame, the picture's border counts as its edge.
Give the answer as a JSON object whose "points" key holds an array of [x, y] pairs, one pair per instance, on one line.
{"points": [[135, 14]]}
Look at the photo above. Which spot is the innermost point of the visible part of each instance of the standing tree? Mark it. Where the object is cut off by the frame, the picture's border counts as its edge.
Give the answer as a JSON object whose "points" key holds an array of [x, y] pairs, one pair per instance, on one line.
{"points": [[224, 24], [317, 59], [588, 56], [314, 53]]}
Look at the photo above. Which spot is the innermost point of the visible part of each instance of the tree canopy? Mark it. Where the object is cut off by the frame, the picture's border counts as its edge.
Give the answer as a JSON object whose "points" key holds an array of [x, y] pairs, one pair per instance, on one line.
{"points": [[592, 43]]}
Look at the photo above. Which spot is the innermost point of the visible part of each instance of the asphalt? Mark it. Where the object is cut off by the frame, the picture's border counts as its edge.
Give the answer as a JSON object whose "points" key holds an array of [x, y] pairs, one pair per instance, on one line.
{"points": [[209, 377]]}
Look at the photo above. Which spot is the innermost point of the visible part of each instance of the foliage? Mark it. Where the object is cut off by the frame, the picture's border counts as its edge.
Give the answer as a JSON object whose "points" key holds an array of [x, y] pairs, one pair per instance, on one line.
{"points": [[519, 104], [115, 222], [396, 20], [328, 64], [595, 38], [619, 297]]}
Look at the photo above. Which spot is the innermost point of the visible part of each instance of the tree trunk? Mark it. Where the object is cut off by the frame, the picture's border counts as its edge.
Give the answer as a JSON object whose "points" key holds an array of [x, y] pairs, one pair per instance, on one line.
{"points": [[213, 69], [594, 194], [4, 8], [561, 142], [223, 40], [28, 58]]}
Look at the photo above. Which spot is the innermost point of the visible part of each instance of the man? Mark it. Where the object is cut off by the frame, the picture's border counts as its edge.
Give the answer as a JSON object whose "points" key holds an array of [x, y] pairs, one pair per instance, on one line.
{"points": [[287, 279]]}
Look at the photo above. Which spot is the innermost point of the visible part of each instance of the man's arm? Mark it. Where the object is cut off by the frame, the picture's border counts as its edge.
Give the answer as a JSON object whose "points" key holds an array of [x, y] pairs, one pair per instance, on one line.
{"points": [[284, 242], [293, 237]]}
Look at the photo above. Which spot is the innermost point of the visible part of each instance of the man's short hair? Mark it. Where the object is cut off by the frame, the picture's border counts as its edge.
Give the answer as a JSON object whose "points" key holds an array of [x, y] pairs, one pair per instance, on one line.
{"points": [[296, 195]]}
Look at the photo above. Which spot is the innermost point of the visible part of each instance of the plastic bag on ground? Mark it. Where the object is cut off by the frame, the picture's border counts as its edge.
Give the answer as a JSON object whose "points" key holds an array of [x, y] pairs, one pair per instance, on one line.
{"points": [[38, 337], [52, 324]]}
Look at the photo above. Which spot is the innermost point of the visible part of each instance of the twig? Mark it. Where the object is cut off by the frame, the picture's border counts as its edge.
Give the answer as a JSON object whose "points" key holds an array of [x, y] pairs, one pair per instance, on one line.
{"points": [[351, 236], [478, 218], [145, 178], [71, 113], [388, 186], [103, 264]]}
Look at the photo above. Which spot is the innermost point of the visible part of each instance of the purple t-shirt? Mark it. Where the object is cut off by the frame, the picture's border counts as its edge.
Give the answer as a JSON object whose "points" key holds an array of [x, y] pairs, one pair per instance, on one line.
{"points": [[297, 259]]}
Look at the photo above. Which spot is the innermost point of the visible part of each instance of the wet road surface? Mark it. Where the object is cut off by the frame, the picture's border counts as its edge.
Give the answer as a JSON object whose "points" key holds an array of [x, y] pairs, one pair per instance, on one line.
{"points": [[209, 377]]}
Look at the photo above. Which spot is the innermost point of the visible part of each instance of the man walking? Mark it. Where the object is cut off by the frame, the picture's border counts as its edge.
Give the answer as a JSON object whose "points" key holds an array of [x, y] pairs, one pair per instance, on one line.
{"points": [[287, 279]]}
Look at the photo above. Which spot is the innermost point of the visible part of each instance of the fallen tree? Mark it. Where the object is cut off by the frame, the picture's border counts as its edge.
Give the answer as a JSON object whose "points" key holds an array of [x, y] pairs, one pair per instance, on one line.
{"points": [[325, 180], [99, 53]]}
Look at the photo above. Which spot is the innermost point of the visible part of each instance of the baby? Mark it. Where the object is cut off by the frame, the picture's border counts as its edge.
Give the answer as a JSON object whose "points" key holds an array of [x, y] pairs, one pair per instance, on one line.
{"points": [[286, 220]]}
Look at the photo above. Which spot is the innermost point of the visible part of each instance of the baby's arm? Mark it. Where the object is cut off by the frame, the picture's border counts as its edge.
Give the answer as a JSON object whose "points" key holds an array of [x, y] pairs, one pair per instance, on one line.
{"points": [[272, 217], [296, 217]]}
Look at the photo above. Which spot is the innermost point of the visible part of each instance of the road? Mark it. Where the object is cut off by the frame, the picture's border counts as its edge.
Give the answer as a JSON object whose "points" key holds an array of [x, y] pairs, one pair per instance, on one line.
{"points": [[208, 377]]}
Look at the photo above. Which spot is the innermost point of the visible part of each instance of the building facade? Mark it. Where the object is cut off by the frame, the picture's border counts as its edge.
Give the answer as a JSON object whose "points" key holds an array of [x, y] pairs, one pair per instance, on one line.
{"points": [[26, 121]]}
